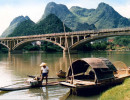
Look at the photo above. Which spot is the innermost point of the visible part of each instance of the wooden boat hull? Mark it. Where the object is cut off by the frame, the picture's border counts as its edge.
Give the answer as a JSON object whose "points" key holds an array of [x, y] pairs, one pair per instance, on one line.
{"points": [[91, 89], [97, 88]]}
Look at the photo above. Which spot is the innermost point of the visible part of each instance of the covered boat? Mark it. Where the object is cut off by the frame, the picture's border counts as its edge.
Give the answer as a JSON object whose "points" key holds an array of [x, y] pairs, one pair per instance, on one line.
{"points": [[92, 74]]}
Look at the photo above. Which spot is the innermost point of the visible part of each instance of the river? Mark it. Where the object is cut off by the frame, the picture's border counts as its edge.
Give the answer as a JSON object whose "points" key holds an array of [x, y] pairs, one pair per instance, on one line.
{"points": [[14, 69]]}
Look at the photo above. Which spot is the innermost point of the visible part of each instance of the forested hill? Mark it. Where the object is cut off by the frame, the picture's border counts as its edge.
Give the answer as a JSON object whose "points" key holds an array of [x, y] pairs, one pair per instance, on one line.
{"points": [[14, 23], [103, 17], [66, 16], [76, 18], [51, 24]]}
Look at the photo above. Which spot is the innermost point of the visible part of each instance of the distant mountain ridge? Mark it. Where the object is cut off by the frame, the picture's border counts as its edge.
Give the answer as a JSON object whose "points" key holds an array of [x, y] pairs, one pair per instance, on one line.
{"points": [[19, 19], [51, 24], [16, 21], [104, 16], [63, 13], [76, 19], [22, 29]]}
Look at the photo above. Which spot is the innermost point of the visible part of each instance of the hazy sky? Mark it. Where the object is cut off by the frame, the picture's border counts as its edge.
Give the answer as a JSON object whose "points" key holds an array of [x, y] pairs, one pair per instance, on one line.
{"points": [[9, 9]]}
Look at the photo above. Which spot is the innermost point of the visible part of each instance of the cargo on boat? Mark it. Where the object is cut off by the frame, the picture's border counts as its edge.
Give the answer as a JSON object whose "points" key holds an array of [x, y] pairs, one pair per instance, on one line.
{"points": [[92, 75]]}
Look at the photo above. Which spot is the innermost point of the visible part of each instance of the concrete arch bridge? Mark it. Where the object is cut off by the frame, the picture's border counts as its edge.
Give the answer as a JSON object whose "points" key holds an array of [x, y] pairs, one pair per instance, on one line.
{"points": [[71, 40]]}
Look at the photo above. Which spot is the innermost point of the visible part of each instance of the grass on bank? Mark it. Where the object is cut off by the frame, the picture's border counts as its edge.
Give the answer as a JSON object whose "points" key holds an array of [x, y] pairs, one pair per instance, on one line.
{"points": [[121, 92]]}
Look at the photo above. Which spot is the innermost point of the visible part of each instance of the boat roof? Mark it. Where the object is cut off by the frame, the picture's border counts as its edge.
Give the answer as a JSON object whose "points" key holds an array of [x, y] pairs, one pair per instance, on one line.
{"points": [[95, 62], [102, 67]]}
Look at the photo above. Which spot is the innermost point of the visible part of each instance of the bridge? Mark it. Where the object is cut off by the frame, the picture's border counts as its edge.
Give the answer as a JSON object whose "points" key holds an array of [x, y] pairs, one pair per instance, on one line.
{"points": [[71, 40]]}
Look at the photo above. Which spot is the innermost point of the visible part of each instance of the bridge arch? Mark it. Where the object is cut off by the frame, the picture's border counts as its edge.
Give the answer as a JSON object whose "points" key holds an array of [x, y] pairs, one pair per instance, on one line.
{"points": [[92, 38], [31, 40], [5, 46]]}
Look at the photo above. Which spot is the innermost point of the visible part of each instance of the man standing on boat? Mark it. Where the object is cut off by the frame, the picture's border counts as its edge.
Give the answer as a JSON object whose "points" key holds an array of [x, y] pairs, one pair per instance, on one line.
{"points": [[44, 72]]}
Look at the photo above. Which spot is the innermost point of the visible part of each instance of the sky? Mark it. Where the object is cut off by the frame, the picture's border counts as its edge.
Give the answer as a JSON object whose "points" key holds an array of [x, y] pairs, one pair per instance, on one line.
{"points": [[9, 9]]}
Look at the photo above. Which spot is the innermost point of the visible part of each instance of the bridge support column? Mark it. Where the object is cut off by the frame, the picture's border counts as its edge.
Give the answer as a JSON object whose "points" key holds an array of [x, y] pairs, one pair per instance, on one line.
{"points": [[9, 51], [72, 40], [60, 40]]}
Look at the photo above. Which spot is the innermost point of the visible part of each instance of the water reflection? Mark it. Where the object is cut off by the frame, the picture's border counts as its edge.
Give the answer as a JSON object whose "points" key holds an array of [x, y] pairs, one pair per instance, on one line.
{"points": [[25, 64]]}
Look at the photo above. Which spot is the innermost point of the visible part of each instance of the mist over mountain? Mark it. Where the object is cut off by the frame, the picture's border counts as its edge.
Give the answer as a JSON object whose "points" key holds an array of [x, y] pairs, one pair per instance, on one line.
{"points": [[16, 21]]}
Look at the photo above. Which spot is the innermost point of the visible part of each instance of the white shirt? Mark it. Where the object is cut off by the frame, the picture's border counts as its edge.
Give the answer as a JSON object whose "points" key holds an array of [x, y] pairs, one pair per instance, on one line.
{"points": [[45, 70]]}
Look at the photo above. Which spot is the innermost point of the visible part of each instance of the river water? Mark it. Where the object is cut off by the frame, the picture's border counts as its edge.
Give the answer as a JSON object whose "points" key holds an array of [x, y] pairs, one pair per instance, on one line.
{"points": [[14, 69]]}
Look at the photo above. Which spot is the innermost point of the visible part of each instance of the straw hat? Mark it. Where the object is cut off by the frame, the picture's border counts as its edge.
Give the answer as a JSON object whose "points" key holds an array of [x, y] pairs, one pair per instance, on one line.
{"points": [[43, 64]]}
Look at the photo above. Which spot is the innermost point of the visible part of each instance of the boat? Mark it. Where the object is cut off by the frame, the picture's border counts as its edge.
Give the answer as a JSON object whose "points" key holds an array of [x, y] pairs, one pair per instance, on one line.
{"points": [[93, 75], [32, 83], [15, 88], [61, 74]]}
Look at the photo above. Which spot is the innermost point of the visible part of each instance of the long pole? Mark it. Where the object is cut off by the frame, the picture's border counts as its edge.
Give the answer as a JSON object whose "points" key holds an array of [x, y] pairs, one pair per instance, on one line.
{"points": [[66, 43]]}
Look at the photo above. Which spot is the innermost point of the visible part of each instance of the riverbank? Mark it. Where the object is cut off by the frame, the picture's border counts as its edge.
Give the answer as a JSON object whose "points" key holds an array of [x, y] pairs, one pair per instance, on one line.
{"points": [[121, 92]]}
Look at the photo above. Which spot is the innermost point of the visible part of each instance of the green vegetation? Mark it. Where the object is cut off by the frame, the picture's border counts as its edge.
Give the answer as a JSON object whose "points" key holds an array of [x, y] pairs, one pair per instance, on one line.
{"points": [[121, 92], [51, 24], [23, 29], [120, 43], [122, 40], [103, 17], [31, 47], [3, 49], [65, 15], [45, 46], [14, 23], [84, 26], [78, 19], [98, 45]]}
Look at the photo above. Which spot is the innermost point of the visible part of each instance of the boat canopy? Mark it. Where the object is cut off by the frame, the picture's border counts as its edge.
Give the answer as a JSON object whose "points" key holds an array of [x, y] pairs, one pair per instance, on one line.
{"points": [[102, 68]]}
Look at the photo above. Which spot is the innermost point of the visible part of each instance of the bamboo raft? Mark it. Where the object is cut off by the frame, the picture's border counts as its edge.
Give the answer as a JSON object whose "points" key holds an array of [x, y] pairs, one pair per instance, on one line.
{"points": [[31, 76], [29, 86]]}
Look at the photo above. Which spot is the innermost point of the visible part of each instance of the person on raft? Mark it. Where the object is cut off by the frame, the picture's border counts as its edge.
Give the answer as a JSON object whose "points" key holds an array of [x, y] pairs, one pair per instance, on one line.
{"points": [[44, 72]]}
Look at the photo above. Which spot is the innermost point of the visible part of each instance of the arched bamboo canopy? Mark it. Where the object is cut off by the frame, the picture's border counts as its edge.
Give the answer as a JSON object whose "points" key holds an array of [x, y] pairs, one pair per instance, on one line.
{"points": [[102, 68]]}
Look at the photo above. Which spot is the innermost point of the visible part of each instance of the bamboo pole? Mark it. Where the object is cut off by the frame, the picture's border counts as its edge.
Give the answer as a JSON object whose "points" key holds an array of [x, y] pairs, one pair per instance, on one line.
{"points": [[72, 78]]}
